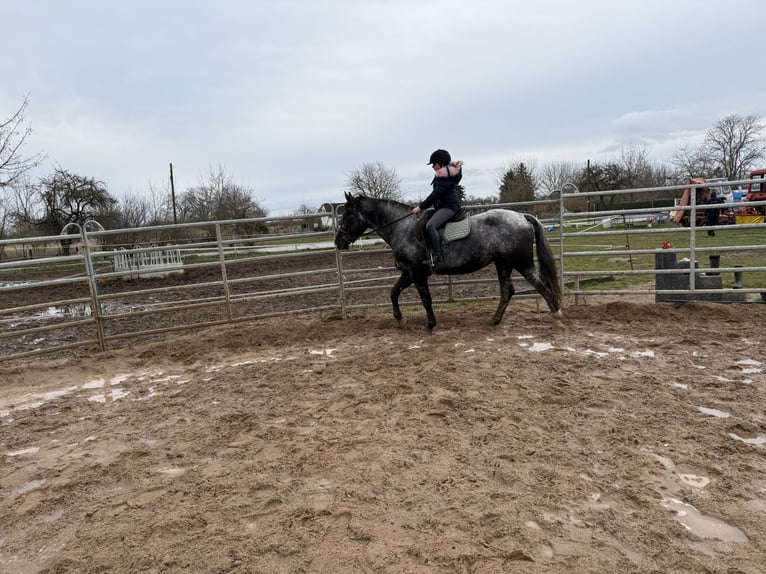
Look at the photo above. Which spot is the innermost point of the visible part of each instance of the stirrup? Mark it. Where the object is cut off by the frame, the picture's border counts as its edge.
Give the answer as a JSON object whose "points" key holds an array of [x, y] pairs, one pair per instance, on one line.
{"points": [[434, 260]]}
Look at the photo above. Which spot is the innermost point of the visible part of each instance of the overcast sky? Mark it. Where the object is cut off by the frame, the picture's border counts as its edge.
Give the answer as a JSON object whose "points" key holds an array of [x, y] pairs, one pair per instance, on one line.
{"points": [[290, 95]]}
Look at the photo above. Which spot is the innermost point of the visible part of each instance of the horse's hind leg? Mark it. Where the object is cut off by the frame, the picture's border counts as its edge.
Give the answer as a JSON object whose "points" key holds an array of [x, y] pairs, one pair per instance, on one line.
{"points": [[404, 281], [506, 291], [532, 275], [421, 284]]}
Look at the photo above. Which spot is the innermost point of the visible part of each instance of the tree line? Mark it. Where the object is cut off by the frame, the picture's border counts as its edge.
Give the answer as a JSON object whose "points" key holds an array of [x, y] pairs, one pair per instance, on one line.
{"points": [[731, 148]]}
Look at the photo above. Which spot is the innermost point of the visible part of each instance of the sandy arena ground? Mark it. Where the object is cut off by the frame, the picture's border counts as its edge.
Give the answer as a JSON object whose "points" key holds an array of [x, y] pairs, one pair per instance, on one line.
{"points": [[634, 441]]}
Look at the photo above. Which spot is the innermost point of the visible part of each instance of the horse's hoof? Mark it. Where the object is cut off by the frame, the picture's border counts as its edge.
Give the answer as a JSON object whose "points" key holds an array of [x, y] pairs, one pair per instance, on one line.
{"points": [[428, 329], [558, 322], [400, 322]]}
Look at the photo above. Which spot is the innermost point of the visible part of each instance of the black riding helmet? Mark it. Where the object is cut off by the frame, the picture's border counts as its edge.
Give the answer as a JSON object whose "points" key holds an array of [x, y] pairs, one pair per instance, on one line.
{"points": [[440, 156]]}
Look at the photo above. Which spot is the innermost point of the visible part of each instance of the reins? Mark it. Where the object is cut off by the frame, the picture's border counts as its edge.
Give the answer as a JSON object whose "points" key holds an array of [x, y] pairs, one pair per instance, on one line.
{"points": [[386, 225]]}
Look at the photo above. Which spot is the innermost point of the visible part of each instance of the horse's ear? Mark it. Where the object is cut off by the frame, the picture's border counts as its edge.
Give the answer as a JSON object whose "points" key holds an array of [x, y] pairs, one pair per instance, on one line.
{"points": [[349, 197]]}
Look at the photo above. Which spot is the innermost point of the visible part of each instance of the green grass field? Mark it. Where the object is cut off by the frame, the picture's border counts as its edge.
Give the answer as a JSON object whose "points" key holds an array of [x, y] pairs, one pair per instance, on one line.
{"points": [[616, 239]]}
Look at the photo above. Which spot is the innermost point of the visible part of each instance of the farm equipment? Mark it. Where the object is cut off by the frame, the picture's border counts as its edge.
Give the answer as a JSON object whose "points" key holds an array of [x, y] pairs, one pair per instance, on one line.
{"points": [[756, 191], [704, 196]]}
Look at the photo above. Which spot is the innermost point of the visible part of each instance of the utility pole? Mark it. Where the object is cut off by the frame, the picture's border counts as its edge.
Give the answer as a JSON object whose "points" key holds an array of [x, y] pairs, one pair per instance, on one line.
{"points": [[173, 195]]}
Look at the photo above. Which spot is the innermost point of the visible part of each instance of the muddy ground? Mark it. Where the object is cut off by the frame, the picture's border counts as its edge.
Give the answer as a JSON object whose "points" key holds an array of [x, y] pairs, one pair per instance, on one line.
{"points": [[632, 441]]}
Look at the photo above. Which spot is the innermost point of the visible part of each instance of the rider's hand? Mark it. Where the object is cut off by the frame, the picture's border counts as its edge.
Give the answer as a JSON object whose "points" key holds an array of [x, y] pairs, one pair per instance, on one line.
{"points": [[416, 209]]}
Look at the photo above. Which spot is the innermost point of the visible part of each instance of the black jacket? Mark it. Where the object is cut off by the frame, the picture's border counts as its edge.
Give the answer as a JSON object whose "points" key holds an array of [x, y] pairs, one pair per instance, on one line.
{"points": [[444, 193]]}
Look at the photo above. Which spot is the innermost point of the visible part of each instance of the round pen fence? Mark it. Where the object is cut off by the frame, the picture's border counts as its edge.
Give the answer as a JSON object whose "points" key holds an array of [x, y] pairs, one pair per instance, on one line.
{"points": [[93, 291]]}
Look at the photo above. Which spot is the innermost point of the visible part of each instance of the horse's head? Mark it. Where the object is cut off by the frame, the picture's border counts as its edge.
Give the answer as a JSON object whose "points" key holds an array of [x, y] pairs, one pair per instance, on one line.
{"points": [[352, 223]]}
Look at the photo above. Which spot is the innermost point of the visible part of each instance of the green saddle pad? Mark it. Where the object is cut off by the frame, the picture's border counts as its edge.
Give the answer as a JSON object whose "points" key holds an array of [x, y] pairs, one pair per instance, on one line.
{"points": [[457, 230]]}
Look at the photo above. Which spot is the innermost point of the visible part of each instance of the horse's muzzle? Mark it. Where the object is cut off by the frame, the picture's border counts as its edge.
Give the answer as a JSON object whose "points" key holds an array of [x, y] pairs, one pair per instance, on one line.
{"points": [[342, 241]]}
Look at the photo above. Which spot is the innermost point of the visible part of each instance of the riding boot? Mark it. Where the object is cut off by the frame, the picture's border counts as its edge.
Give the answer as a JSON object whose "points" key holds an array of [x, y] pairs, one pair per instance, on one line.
{"points": [[436, 245]]}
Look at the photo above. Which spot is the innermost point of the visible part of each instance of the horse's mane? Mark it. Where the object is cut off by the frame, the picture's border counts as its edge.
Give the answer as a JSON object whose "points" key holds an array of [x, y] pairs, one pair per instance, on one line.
{"points": [[390, 203]]}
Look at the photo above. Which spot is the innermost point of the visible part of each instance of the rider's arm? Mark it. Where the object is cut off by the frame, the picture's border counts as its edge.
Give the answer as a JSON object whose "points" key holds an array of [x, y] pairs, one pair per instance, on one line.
{"points": [[450, 170]]}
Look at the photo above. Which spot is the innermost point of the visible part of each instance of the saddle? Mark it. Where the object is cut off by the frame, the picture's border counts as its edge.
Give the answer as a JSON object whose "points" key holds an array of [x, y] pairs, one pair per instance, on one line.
{"points": [[457, 227]]}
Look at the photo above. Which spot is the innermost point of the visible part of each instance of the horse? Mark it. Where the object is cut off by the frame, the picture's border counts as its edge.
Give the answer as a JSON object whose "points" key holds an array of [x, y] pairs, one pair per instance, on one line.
{"points": [[500, 236]]}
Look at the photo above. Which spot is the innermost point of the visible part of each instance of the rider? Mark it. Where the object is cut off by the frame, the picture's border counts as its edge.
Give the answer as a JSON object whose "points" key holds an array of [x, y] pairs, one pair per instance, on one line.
{"points": [[443, 198]]}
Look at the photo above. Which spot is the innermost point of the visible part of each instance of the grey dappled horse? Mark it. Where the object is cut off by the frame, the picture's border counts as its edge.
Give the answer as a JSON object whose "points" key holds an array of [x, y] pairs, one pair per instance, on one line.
{"points": [[502, 236]]}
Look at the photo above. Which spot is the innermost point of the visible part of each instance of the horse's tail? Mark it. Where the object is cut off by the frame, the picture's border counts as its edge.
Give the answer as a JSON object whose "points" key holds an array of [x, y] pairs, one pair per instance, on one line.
{"points": [[546, 260]]}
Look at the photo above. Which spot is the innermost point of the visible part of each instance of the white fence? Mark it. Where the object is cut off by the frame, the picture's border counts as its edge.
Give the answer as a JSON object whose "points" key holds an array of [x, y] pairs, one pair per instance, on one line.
{"points": [[157, 262]]}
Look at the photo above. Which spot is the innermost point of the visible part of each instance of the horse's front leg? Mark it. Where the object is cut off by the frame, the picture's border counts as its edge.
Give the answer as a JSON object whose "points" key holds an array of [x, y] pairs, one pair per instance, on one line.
{"points": [[421, 283], [404, 281]]}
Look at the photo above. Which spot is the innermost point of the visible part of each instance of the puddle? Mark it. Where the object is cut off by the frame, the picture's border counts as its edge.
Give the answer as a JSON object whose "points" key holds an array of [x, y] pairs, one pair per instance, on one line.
{"points": [[599, 354], [73, 310], [328, 352], [121, 378], [540, 347], [172, 471], [29, 487], [93, 384], [31, 400], [53, 516], [694, 480], [700, 524], [714, 412], [638, 354], [750, 363], [757, 441], [23, 451], [109, 396], [221, 366], [750, 366], [692, 519]]}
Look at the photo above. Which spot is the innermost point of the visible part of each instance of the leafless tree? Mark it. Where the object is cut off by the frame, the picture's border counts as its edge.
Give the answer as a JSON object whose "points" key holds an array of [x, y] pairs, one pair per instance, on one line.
{"points": [[735, 145], [13, 134], [553, 176], [375, 180], [219, 198], [731, 148], [638, 170], [305, 209], [19, 206], [693, 161], [133, 210], [160, 202]]}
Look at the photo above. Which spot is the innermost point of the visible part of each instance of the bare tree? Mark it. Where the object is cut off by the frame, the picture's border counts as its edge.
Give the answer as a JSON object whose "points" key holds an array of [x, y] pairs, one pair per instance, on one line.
{"points": [[218, 199], [735, 145], [553, 176], [305, 209], [638, 171], [160, 202], [21, 207], [133, 210], [731, 148], [375, 180], [693, 161], [13, 134]]}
